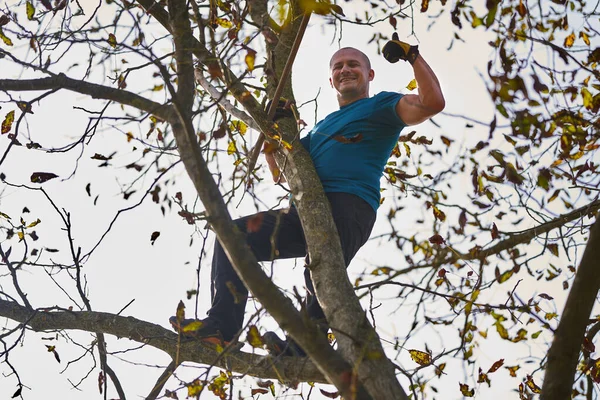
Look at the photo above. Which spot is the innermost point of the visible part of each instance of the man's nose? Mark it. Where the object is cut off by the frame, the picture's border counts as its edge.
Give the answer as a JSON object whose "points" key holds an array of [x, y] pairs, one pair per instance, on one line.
{"points": [[345, 68]]}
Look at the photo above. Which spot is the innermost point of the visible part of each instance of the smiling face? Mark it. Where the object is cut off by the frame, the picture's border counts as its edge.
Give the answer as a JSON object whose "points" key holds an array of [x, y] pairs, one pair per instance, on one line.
{"points": [[350, 74]]}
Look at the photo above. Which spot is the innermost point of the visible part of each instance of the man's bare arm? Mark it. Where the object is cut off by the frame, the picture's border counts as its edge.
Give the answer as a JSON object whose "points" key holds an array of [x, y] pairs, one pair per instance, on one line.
{"points": [[414, 109]]}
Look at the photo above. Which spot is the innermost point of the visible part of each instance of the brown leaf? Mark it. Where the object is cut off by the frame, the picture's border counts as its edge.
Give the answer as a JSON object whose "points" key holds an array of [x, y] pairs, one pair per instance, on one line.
{"points": [[424, 5], [331, 395], [495, 366], [393, 21], [494, 231], [354, 139], [100, 381], [437, 239], [154, 236], [41, 177], [259, 391], [214, 70], [221, 132], [254, 223], [466, 391], [4, 19], [545, 296]]}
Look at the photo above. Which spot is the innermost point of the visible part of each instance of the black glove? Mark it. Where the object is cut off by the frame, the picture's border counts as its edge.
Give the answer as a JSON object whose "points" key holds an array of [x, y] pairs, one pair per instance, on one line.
{"points": [[284, 109], [395, 50]]}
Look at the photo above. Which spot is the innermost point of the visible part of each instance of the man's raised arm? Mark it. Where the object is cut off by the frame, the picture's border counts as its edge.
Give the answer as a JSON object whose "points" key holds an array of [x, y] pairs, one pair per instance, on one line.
{"points": [[414, 109]]}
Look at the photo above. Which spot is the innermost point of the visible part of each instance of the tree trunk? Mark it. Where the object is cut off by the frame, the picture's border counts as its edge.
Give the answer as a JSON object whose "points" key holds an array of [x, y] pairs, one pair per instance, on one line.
{"points": [[568, 338]]}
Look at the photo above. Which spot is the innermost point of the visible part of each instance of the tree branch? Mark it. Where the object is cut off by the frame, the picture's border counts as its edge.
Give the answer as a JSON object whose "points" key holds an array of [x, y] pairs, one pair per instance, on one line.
{"points": [[61, 81], [287, 368], [568, 337]]}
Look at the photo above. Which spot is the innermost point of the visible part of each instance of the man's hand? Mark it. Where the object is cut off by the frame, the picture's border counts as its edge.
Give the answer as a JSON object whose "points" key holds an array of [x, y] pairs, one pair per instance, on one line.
{"points": [[395, 50]]}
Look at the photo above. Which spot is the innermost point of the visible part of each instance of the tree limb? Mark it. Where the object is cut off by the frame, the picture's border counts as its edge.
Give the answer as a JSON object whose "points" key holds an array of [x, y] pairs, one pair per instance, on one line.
{"points": [[568, 337], [61, 81], [286, 368]]}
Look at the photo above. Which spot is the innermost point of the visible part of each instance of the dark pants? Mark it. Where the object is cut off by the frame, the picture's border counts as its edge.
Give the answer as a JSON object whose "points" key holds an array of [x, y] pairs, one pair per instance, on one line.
{"points": [[354, 219]]}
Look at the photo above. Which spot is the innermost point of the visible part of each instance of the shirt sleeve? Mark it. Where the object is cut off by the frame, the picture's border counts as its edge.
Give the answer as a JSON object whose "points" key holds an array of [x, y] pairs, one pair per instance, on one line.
{"points": [[385, 109]]}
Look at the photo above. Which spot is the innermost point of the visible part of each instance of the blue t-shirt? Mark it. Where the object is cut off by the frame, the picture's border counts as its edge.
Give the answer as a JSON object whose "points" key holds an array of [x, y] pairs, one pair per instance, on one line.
{"points": [[351, 146]]}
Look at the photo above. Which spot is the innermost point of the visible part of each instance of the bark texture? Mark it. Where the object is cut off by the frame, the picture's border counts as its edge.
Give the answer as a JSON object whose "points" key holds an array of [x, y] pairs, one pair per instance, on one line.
{"points": [[568, 338], [288, 369]]}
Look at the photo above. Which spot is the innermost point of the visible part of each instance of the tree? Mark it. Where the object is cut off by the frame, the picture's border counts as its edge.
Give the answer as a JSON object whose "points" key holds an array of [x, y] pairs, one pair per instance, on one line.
{"points": [[543, 153]]}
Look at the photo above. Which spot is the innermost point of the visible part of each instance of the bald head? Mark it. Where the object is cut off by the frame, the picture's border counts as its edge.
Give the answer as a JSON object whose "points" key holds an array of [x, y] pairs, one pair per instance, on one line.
{"points": [[362, 55]]}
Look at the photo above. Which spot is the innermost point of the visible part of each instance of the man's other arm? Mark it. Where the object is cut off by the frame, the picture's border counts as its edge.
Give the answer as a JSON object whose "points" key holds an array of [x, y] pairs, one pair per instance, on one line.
{"points": [[414, 109]]}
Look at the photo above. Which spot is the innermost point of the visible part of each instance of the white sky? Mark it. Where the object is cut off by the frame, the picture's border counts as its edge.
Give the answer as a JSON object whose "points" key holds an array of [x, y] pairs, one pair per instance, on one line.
{"points": [[127, 267]]}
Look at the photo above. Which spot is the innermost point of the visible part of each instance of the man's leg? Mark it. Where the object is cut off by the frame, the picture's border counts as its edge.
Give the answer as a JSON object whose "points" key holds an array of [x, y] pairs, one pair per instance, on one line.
{"points": [[229, 295], [354, 219]]}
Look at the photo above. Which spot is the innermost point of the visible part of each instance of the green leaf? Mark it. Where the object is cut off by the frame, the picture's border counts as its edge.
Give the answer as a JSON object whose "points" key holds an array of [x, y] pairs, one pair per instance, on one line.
{"points": [[8, 121], [30, 11], [112, 40], [5, 38]]}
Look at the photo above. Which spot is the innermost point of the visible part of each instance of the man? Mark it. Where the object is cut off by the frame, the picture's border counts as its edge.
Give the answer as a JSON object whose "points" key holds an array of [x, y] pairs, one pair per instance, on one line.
{"points": [[349, 148]]}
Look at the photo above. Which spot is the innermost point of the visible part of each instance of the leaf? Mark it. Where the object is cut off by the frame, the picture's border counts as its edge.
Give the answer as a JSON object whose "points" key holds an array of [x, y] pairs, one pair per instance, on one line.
{"points": [[112, 40], [30, 11], [224, 23], [412, 85], [17, 393], [437, 239], [420, 357], [154, 236], [531, 385], [464, 389], [495, 366], [254, 338], [180, 313], [553, 247], [231, 148], [569, 40], [194, 388], [34, 223], [342, 139], [5, 38], [501, 330], [330, 395], [8, 121], [259, 391], [239, 126], [254, 223], [424, 5], [52, 349], [585, 37], [505, 276], [101, 381], [47, 4], [41, 177], [4, 19], [545, 296], [250, 57], [513, 370], [494, 231], [393, 22], [221, 132], [193, 326]]}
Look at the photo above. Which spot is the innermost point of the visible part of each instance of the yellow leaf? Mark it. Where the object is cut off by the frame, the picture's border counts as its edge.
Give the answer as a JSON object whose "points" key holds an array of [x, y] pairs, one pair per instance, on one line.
{"points": [[7, 123], [420, 357], [129, 136], [466, 391], [192, 326], [112, 40], [585, 37], [513, 370], [531, 384], [194, 388], [550, 316], [254, 337], [588, 99], [505, 276], [231, 148], [440, 369], [30, 11], [5, 38], [569, 40], [412, 85], [250, 57], [407, 149], [158, 88], [224, 23], [34, 223], [20, 235], [239, 126], [501, 330]]}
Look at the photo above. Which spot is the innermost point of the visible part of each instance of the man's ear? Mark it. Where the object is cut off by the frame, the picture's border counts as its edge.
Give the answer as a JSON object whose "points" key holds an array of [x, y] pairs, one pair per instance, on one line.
{"points": [[330, 82], [371, 75]]}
